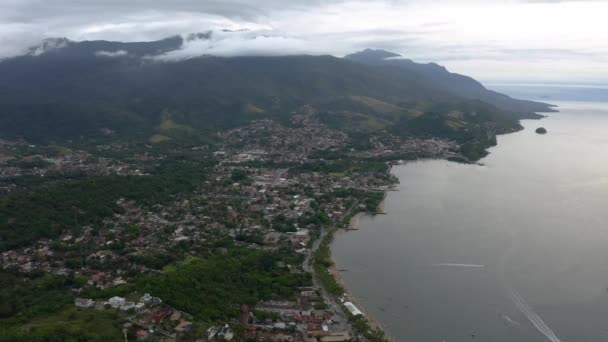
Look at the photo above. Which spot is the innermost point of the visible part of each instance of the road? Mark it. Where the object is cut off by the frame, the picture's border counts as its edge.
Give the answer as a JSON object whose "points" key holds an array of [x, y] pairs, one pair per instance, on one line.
{"points": [[341, 323]]}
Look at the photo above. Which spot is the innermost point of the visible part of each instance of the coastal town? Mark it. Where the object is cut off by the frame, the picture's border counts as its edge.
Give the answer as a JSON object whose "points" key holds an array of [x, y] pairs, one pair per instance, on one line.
{"points": [[303, 171], [276, 188]]}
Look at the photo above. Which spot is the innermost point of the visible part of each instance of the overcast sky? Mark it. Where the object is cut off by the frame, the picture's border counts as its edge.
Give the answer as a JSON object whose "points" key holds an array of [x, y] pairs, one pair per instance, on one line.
{"points": [[510, 40]]}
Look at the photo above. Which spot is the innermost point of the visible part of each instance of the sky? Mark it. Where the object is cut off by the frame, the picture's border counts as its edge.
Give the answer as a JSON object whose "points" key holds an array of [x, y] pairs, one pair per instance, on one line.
{"points": [[495, 41]]}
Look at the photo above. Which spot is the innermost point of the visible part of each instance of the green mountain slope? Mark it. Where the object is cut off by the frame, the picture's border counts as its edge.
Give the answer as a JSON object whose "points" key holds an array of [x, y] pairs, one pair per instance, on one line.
{"points": [[77, 91], [440, 77]]}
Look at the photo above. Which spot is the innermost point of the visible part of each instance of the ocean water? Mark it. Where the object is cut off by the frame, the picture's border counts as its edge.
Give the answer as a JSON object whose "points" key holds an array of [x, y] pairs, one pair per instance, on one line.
{"points": [[515, 250], [554, 92]]}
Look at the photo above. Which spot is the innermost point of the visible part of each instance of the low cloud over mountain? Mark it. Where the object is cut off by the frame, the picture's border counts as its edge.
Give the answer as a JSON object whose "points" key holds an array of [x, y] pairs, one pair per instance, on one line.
{"points": [[574, 33]]}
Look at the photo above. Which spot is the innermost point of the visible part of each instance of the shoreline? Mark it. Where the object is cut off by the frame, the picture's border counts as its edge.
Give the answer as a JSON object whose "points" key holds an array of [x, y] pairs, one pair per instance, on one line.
{"points": [[354, 225], [372, 321]]}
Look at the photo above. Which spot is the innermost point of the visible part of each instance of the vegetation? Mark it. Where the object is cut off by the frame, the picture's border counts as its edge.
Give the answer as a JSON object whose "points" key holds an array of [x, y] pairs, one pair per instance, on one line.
{"points": [[322, 262], [213, 288], [69, 324], [48, 210], [280, 223], [41, 309], [41, 294], [166, 103], [362, 325]]}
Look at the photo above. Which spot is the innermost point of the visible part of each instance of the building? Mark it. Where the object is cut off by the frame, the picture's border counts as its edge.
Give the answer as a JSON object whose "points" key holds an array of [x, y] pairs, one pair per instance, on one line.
{"points": [[219, 332], [226, 333], [147, 299], [212, 332], [116, 302], [84, 302], [352, 309], [127, 306]]}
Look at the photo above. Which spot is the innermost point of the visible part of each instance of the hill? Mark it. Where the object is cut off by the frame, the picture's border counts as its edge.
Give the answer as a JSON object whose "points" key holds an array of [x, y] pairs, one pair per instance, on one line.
{"points": [[440, 77], [65, 90]]}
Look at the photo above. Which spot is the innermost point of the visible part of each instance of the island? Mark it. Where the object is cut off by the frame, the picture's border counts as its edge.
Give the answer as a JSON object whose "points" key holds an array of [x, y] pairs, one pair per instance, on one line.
{"points": [[541, 130]]}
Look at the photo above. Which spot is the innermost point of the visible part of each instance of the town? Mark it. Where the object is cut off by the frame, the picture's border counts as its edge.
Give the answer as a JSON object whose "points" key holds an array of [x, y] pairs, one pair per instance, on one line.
{"points": [[276, 188]]}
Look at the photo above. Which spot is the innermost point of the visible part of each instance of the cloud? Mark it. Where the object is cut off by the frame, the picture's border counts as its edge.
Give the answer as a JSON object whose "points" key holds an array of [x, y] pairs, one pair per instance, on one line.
{"points": [[238, 46], [488, 39], [111, 54], [245, 42]]}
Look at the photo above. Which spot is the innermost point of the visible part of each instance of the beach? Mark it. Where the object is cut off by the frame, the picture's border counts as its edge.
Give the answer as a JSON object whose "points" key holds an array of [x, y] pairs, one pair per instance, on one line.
{"points": [[334, 270]]}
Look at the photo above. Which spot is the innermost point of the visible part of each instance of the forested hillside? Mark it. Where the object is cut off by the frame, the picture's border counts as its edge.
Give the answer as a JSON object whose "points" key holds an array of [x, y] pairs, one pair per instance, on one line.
{"points": [[83, 90]]}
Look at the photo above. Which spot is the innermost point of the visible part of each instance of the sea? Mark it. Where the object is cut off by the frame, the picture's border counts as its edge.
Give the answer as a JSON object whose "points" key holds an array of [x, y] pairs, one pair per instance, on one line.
{"points": [[512, 250]]}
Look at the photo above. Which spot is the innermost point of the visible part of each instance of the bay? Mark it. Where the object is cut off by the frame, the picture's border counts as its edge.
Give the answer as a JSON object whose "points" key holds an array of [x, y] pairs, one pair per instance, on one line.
{"points": [[513, 250]]}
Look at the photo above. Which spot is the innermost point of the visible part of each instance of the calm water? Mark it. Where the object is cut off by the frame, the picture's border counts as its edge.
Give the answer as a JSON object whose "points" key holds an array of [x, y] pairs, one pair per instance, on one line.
{"points": [[515, 250]]}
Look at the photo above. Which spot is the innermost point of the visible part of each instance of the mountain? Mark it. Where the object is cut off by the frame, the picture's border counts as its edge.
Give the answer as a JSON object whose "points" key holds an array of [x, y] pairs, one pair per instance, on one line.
{"points": [[48, 45], [76, 90], [438, 75], [65, 48]]}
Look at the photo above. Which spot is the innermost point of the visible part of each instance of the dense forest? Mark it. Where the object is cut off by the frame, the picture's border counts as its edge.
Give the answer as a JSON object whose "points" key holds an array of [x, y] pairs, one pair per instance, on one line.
{"points": [[214, 288]]}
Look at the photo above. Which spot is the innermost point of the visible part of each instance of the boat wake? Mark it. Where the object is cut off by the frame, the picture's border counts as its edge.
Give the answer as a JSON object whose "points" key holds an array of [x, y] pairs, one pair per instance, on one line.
{"points": [[458, 265], [532, 316], [516, 298], [510, 320]]}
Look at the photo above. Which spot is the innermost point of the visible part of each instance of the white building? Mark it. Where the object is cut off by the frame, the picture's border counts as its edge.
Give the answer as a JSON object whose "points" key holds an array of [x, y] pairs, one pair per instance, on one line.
{"points": [[116, 302], [146, 299], [353, 309], [226, 333]]}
